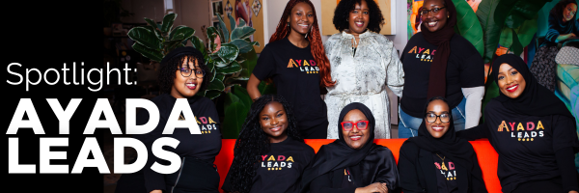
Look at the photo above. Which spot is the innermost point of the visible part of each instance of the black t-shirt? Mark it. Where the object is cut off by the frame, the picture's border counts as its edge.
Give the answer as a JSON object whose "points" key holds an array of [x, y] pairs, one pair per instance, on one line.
{"points": [[279, 170], [297, 78], [445, 174], [527, 144], [204, 146], [465, 69], [348, 180]]}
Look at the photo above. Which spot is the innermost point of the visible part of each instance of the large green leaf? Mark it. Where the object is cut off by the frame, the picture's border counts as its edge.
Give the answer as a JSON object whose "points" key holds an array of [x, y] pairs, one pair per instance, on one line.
{"points": [[168, 21], [154, 55], [234, 113], [244, 46], [198, 44], [144, 37], [468, 25], [234, 67], [181, 33], [242, 32], [212, 94], [216, 85], [250, 60], [527, 30], [228, 52], [517, 48], [506, 39], [241, 22], [492, 30], [524, 10], [266, 88], [243, 96], [212, 34], [151, 22], [223, 28], [231, 22]]}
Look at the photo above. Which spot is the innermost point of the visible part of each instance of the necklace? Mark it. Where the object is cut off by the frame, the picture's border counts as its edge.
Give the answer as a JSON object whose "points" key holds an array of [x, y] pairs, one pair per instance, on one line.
{"points": [[354, 46], [443, 167]]}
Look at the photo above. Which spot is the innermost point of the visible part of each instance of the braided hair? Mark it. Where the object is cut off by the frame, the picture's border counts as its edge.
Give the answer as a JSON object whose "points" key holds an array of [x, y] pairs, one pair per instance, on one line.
{"points": [[282, 30]]}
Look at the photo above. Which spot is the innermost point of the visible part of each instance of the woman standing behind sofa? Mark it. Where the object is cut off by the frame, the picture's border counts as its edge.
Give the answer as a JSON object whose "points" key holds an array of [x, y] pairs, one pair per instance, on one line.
{"points": [[363, 63], [456, 168], [296, 62], [438, 62]]}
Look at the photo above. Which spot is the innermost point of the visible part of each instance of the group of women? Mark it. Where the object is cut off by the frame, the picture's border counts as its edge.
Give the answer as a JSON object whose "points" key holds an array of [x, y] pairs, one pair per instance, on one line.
{"points": [[439, 77]]}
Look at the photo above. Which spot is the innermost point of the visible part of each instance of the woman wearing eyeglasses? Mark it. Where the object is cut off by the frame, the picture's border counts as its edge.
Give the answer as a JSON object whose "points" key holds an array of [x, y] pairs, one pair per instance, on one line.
{"points": [[455, 167], [182, 75], [438, 62], [353, 163]]}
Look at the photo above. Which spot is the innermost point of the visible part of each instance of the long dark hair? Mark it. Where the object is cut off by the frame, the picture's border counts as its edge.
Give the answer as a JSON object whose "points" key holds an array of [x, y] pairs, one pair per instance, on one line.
{"points": [[557, 11], [252, 142], [314, 37]]}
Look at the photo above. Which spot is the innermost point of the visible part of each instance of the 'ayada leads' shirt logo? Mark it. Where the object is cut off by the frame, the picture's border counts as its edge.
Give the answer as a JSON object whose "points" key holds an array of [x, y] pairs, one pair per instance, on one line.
{"points": [[306, 66], [422, 53], [206, 124], [276, 164], [528, 133]]}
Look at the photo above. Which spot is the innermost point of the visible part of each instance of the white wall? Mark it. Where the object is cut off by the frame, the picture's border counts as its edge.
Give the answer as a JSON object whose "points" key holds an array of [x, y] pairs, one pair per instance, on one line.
{"points": [[192, 13]]}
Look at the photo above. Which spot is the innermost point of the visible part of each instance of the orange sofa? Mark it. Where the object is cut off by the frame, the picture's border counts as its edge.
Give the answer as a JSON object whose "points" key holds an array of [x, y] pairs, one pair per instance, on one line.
{"points": [[487, 157]]}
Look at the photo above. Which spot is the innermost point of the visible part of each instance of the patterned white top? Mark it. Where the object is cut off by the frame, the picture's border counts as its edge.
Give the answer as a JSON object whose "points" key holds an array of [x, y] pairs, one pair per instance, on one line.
{"points": [[363, 78]]}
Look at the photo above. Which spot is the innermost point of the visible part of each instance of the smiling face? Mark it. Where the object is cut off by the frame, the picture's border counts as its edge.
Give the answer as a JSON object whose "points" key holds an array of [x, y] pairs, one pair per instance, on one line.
{"points": [[186, 86], [569, 11], [434, 21], [511, 82], [438, 111], [301, 18], [355, 138], [359, 18], [274, 122]]}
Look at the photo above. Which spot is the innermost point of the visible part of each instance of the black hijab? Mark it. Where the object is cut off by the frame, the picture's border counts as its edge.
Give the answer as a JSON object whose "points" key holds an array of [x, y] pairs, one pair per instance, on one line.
{"points": [[338, 155], [536, 100], [441, 39], [456, 149]]}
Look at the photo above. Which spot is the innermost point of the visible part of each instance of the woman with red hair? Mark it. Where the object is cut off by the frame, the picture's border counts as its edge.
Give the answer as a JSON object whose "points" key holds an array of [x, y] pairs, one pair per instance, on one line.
{"points": [[296, 61]]}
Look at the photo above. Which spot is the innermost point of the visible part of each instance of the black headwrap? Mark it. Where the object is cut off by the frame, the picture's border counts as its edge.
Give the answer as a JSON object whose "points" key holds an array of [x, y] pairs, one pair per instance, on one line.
{"points": [[363, 162], [456, 149], [536, 100], [441, 39]]}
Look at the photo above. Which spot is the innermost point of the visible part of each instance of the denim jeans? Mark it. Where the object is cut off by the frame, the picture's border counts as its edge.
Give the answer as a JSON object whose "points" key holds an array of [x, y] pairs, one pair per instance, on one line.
{"points": [[408, 125]]}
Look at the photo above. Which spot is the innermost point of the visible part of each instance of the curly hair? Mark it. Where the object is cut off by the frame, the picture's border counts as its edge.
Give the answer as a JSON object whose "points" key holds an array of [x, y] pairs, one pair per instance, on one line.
{"points": [[253, 141], [317, 48], [167, 72], [342, 13]]}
